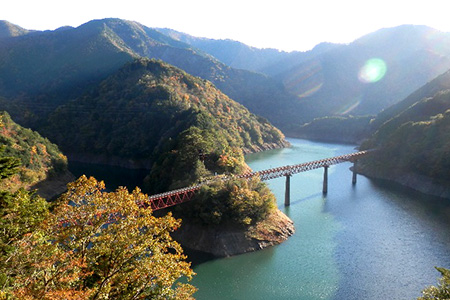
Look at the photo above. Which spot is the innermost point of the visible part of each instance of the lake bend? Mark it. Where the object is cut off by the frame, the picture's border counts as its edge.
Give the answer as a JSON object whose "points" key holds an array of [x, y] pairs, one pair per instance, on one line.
{"points": [[373, 240]]}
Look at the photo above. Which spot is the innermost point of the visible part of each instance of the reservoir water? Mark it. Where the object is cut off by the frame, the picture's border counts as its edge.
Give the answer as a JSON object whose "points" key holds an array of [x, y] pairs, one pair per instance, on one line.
{"points": [[372, 240]]}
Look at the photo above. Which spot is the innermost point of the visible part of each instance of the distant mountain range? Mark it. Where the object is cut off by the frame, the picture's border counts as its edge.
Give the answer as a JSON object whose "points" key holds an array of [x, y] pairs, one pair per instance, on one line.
{"points": [[52, 66], [41, 70], [238, 55], [92, 90], [329, 79]]}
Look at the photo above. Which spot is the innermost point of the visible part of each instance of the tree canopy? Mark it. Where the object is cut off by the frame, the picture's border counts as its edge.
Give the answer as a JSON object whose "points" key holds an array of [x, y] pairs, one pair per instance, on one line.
{"points": [[98, 245]]}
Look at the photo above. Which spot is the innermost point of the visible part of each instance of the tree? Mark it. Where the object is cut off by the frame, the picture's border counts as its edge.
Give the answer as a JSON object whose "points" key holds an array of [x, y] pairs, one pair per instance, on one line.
{"points": [[440, 292], [20, 213], [8, 165], [101, 245], [237, 202]]}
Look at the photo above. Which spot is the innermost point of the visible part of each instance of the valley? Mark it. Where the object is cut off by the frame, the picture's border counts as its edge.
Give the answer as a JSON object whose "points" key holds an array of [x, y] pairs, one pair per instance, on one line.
{"points": [[160, 110]]}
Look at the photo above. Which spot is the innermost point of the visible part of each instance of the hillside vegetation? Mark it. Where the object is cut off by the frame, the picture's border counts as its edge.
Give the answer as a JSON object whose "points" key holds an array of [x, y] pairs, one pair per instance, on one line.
{"points": [[338, 129], [93, 91], [88, 244], [38, 158], [332, 80], [416, 140], [42, 70], [8, 29], [153, 115]]}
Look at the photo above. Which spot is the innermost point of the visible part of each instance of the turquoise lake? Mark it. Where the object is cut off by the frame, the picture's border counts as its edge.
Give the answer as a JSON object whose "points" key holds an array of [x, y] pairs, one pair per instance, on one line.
{"points": [[372, 240]]}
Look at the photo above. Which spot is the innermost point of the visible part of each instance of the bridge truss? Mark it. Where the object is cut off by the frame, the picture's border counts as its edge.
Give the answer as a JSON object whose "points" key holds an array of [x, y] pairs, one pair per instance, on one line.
{"points": [[174, 197]]}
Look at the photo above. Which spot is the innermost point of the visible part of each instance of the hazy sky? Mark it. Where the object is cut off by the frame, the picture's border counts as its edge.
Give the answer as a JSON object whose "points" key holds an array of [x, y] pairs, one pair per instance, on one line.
{"points": [[281, 24]]}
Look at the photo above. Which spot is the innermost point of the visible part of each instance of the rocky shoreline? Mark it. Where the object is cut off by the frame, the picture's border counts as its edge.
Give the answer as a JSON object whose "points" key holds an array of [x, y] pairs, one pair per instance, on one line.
{"points": [[420, 183], [225, 242], [266, 146]]}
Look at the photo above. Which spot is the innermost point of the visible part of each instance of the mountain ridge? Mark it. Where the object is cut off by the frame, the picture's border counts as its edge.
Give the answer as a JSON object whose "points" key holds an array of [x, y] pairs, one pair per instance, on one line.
{"points": [[293, 89], [8, 29], [64, 61]]}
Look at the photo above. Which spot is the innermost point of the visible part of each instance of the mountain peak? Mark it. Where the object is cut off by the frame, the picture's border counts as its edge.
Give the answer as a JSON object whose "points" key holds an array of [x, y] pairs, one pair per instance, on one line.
{"points": [[8, 29], [400, 34]]}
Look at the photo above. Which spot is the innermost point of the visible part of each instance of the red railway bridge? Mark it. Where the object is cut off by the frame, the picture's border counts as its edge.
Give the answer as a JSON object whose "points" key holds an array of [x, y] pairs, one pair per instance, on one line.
{"points": [[174, 197]]}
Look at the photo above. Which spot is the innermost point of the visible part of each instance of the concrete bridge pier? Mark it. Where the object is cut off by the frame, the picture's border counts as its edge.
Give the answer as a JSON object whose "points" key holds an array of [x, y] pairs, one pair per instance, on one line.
{"points": [[325, 180], [354, 172], [287, 193]]}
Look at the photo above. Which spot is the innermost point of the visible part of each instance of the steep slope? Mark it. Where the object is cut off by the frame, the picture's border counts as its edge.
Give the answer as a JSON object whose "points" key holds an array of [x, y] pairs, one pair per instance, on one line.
{"points": [[361, 78], [259, 93], [413, 146], [335, 129], [41, 163], [436, 85], [45, 69], [52, 62]]}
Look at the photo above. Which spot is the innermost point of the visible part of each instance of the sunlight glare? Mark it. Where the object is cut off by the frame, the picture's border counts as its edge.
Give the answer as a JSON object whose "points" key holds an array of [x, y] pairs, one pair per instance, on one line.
{"points": [[373, 70]]}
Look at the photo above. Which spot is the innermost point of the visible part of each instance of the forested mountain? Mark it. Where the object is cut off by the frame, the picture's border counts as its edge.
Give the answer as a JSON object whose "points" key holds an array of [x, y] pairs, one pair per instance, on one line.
{"points": [[413, 138], [339, 129], [440, 83], [333, 79], [42, 70], [47, 68], [149, 111], [359, 79]]}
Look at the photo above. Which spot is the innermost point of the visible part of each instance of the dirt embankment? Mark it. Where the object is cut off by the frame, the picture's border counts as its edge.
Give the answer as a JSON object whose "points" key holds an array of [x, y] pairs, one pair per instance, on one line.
{"points": [[224, 242]]}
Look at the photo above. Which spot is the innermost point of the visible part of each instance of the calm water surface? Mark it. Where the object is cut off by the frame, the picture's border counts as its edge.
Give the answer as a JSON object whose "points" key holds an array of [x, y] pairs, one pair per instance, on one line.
{"points": [[369, 241]]}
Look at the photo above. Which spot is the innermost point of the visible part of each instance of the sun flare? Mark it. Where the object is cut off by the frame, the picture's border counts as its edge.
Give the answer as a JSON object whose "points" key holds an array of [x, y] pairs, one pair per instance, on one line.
{"points": [[373, 70]]}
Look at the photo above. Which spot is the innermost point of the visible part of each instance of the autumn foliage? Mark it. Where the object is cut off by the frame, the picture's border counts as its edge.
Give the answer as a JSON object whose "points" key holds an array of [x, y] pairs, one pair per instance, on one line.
{"points": [[98, 245]]}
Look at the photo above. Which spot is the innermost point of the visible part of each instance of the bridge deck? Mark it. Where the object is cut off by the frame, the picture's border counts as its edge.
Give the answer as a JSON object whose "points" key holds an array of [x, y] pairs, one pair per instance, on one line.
{"points": [[174, 197]]}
